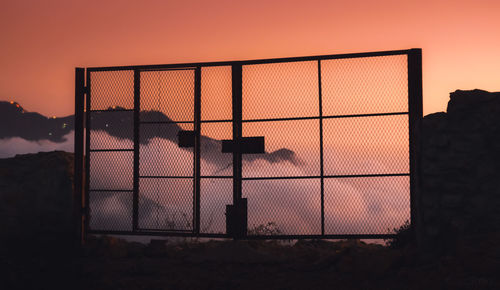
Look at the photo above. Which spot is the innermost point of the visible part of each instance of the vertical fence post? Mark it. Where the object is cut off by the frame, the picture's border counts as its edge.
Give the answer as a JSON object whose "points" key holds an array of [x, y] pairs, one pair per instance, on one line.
{"points": [[88, 126], [322, 173], [237, 131], [137, 110], [415, 120], [197, 148], [78, 148], [237, 213]]}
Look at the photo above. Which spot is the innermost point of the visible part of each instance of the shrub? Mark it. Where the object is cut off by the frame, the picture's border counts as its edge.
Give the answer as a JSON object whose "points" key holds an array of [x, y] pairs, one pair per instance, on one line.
{"points": [[404, 236]]}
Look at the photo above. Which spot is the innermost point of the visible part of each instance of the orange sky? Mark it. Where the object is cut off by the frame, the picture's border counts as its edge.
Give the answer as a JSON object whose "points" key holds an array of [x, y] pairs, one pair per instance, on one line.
{"points": [[42, 41]]}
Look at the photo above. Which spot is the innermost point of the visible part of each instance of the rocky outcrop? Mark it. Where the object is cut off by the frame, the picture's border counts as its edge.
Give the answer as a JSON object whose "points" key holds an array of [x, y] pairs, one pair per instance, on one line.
{"points": [[36, 199], [460, 193]]}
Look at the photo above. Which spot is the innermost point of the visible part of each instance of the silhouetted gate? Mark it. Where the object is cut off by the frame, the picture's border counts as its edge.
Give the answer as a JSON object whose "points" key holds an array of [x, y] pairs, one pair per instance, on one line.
{"points": [[307, 147]]}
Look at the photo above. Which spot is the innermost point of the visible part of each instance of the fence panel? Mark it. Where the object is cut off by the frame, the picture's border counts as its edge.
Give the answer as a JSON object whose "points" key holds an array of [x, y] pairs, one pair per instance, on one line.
{"points": [[339, 133]]}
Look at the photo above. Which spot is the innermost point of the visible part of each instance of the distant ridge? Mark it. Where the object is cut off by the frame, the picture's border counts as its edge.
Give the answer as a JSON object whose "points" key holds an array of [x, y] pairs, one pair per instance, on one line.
{"points": [[15, 121], [32, 126]]}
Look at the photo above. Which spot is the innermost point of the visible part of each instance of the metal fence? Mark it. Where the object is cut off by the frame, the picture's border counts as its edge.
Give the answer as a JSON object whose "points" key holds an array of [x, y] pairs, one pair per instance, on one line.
{"points": [[307, 147]]}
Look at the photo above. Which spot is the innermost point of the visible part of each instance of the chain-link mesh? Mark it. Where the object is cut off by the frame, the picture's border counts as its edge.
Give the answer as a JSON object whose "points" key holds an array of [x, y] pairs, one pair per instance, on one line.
{"points": [[289, 207], [112, 89], [215, 194], [292, 149], [110, 211], [166, 204], [366, 205], [360, 103], [366, 145], [365, 85], [159, 151], [111, 170], [216, 93], [112, 130], [167, 107], [167, 95], [213, 161], [358, 145], [280, 90]]}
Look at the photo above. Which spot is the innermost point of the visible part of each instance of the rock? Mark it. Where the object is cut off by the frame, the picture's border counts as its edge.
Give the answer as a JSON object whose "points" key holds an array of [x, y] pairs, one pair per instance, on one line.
{"points": [[469, 100], [435, 121], [451, 200], [36, 198], [460, 169]]}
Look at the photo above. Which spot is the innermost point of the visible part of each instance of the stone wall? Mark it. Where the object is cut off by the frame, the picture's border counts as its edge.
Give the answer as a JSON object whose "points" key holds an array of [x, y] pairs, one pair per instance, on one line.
{"points": [[460, 161]]}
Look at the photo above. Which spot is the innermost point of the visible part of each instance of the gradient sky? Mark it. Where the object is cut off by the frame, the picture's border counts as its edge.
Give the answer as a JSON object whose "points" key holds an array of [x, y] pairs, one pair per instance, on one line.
{"points": [[42, 41]]}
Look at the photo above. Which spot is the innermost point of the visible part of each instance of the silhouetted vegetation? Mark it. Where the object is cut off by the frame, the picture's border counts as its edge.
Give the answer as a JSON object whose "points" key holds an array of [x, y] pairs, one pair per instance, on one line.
{"points": [[404, 236], [271, 228]]}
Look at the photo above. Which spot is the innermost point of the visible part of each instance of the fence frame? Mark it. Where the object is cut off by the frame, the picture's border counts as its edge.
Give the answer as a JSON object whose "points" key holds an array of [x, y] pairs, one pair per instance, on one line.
{"points": [[82, 143]]}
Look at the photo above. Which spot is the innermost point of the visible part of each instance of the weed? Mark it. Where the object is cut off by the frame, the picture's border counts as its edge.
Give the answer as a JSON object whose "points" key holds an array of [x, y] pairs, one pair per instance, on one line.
{"points": [[269, 229]]}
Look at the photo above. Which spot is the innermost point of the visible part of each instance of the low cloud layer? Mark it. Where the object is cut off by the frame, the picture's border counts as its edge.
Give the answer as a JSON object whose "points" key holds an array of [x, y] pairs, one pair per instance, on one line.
{"points": [[352, 205], [9, 147]]}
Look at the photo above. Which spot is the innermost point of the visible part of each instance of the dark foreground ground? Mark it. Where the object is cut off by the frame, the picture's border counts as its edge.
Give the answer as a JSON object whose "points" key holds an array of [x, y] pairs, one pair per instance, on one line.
{"points": [[110, 263]]}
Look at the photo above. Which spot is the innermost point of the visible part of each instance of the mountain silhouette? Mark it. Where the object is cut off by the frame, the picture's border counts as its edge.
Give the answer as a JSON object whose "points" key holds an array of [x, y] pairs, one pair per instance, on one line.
{"points": [[15, 121]]}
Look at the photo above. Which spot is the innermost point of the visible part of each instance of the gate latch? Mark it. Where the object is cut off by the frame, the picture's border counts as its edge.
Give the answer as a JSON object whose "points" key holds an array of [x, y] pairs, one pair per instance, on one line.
{"points": [[186, 138], [247, 145]]}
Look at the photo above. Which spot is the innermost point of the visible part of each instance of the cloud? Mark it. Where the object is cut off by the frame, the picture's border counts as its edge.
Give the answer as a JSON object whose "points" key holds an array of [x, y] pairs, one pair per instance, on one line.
{"points": [[352, 205], [9, 147]]}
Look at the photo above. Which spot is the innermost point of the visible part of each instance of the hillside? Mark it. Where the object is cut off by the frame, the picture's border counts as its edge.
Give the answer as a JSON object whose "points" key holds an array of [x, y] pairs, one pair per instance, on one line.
{"points": [[117, 125], [32, 126], [458, 206], [36, 198]]}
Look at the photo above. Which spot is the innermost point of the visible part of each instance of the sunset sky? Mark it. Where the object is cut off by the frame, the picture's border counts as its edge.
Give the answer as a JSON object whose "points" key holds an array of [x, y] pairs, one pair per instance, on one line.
{"points": [[42, 41]]}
